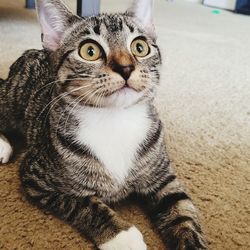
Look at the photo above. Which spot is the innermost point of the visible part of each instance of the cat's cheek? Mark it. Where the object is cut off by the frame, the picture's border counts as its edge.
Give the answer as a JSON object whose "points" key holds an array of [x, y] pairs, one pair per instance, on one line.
{"points": [[131, 239]]}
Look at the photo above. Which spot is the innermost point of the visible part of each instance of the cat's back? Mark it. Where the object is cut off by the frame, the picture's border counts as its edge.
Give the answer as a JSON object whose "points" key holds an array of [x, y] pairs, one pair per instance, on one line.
{"points": [[27, 74], [37, 91], [24, 93]]}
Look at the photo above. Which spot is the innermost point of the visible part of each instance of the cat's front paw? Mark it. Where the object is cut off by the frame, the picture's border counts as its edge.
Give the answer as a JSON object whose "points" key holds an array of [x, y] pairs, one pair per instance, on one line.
{"points": [[189, 239], [131, 239], [5, 150]]}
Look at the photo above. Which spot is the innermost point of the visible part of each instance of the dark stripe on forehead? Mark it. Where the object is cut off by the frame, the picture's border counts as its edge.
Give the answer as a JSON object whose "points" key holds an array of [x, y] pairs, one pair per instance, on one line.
{"points": [[131, 28], [85, 32], [97, 26], [129, 25], [113, 23], [97, 29], [120, 24]]}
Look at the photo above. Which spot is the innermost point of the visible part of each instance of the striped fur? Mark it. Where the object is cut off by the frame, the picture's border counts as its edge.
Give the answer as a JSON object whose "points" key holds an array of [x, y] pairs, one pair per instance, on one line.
{"points": [[46, 96]]}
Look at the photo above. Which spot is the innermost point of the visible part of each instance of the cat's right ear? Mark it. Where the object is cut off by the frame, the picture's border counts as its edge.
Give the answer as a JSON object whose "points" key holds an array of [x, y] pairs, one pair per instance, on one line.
{"points": [[54, 19], [142, 10]]}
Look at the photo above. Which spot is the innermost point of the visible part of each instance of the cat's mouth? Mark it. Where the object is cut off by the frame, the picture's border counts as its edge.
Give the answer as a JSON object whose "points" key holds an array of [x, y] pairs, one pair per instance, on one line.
{"points": [[125, 89]]}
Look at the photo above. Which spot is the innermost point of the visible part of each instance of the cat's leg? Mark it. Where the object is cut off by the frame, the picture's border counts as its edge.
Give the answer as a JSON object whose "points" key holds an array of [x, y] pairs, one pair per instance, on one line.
{"points": [[5, 149], [174, 214], [89, 215]]}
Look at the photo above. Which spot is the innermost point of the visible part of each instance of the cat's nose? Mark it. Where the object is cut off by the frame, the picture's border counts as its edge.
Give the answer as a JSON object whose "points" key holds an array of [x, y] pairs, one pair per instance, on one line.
{"points": [[124, 70]]}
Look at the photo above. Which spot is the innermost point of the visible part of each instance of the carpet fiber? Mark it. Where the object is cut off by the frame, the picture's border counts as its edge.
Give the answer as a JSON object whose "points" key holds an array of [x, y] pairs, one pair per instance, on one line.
{"points": [[204, 101]]}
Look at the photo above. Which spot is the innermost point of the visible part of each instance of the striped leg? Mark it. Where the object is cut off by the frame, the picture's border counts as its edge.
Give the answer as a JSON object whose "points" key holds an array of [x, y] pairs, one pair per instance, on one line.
{"points": [[89, 215], [5, 147], [174, 214]]}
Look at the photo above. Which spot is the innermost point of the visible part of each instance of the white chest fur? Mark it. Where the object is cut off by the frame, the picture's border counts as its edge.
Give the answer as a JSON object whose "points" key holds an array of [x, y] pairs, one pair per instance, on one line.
{"points": [[114, 134]]}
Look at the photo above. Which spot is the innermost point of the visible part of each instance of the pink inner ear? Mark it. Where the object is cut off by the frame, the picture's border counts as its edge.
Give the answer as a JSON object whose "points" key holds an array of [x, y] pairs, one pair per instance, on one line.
{"points": [[143, 11], [50, 43], [52, 28]]}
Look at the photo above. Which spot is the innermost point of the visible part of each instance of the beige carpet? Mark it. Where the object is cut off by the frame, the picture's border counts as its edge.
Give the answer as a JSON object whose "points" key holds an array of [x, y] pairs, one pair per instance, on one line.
{"points": [[204, 102]]}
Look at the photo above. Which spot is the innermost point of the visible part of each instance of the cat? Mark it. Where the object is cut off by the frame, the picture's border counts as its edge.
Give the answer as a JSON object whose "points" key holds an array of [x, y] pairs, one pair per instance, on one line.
{"points": [[85, 106]]}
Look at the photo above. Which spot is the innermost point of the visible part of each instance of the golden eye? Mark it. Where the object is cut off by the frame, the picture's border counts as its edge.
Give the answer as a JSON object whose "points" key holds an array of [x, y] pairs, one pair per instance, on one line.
{"points": [[90, 51], [140, 48]]}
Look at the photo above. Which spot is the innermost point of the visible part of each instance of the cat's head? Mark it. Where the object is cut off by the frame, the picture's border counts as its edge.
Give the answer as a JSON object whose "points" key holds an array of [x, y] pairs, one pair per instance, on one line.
{"points": [[106, 60]]}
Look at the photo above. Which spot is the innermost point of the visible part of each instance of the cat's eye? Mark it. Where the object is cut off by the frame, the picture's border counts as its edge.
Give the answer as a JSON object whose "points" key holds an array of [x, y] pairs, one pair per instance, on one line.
{"points": [[140, 48], [90, 51]]}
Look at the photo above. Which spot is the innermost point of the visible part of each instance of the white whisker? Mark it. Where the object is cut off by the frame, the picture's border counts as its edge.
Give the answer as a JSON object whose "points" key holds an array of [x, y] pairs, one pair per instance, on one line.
{"points": [[57, 99]]}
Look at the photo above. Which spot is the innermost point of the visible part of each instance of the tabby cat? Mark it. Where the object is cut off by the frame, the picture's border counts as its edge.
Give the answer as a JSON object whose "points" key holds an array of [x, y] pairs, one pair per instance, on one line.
{"points": [[84, 104]]}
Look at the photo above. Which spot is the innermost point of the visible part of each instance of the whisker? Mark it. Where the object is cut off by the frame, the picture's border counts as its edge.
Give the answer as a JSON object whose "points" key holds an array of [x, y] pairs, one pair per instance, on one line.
{"points": [[72, 109], [89, 95], [58, 98], [99, 98], [63, 80], [57, 126], [82, 97]]}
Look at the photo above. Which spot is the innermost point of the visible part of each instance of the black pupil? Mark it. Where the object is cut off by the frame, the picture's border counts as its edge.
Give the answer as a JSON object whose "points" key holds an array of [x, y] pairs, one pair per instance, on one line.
{"points": [[91, 51], [139, 47]]}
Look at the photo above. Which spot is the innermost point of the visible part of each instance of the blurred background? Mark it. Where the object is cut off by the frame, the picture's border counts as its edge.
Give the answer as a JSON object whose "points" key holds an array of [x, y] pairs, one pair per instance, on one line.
{"points": [[204, 102]]}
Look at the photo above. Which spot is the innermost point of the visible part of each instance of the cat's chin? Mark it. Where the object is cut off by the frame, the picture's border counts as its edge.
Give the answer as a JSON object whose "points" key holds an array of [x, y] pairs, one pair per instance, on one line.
{"points": [[124, 97]]}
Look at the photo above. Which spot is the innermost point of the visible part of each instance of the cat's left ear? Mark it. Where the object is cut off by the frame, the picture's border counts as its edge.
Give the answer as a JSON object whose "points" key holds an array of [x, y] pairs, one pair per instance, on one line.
{"points": [[142, 10], [55, 19]]}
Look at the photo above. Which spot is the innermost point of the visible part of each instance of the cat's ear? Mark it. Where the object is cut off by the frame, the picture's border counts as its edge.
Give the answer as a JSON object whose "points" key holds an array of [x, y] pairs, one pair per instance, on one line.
{"points": [[54, 19], [142, 10]]}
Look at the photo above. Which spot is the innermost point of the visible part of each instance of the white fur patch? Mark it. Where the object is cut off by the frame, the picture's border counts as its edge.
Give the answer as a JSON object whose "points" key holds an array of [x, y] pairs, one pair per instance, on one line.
{"points": [[5, 150], [126, 240], [113, 135]]}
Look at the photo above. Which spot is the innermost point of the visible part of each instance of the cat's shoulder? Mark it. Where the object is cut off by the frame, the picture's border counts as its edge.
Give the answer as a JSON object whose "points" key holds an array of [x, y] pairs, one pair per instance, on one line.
{"points": [[35, 54], [30, 60], [31, 56]]}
